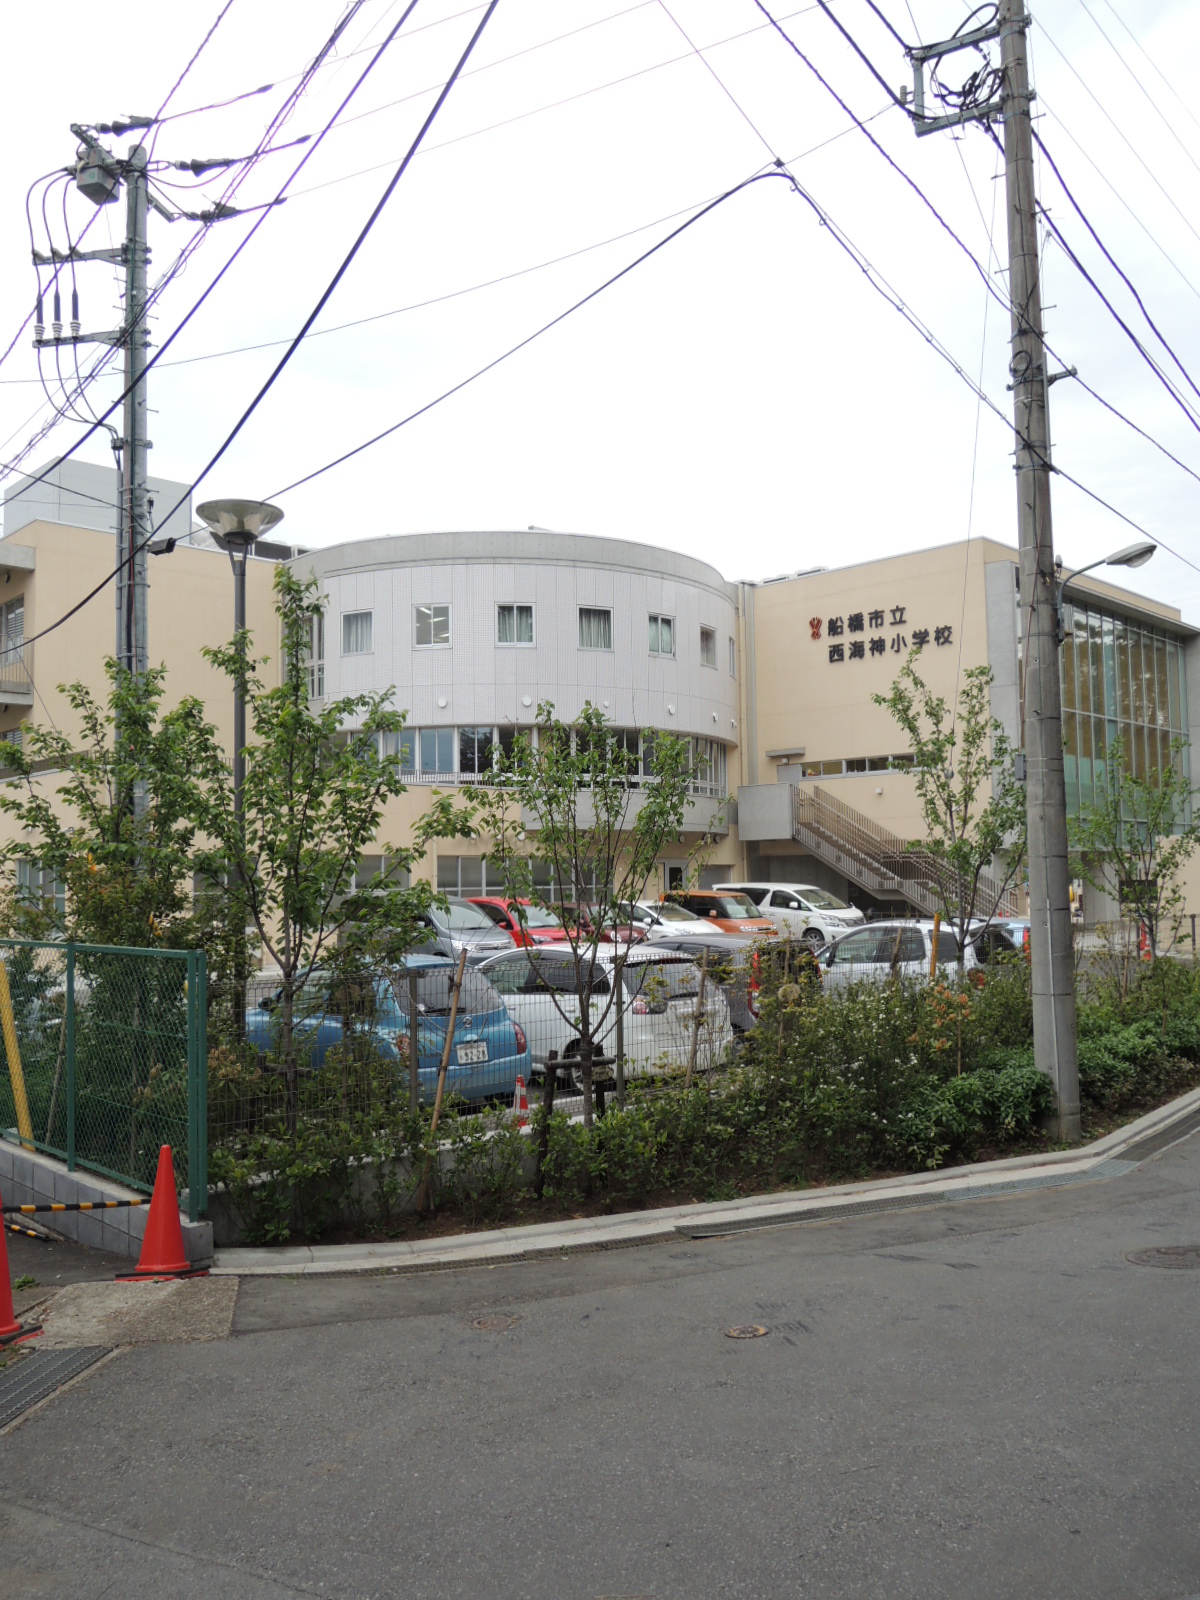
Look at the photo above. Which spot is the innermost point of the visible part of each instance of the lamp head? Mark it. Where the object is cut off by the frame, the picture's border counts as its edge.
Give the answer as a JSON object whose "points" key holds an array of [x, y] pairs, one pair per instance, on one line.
{"points": [[236, 524], [1133, 555]]}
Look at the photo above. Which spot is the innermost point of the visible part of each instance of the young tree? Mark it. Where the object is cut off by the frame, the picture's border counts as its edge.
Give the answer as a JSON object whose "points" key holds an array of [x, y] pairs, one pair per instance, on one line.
{"points": [[317, 781], [127, 871], [1141, 830], [569, 797], [965, 778]]}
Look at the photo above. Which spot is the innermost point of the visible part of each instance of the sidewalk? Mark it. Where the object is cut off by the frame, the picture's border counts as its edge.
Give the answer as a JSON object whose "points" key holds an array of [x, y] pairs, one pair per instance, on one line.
{"points": [[1109, 1157]]}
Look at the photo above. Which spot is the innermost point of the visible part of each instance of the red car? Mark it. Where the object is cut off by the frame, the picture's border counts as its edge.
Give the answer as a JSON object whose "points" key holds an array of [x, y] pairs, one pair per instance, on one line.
{"points": [[584, 916], [530, 925]]}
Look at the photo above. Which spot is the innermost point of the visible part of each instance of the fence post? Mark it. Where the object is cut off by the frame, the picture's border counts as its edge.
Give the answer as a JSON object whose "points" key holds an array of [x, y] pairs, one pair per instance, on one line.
{"points": [[197, 982], [70, 1055]]}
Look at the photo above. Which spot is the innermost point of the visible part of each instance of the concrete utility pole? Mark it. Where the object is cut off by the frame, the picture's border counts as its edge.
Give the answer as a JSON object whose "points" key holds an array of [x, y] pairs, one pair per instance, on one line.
{"points": [[1005, 95], [133, 524]]}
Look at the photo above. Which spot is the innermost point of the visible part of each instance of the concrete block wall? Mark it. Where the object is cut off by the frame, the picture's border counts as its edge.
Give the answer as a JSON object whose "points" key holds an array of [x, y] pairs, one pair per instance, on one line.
{"points": [[31, 1178]]}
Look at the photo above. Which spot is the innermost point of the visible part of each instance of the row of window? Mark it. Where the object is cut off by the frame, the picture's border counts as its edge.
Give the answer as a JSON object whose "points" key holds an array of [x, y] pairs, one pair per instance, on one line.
{"points": [[453, 752], [514, 626], [835, 768]]}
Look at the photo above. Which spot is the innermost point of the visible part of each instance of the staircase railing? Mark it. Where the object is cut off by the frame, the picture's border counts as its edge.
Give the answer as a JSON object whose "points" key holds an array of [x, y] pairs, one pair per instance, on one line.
{"points": [[883, 863]]}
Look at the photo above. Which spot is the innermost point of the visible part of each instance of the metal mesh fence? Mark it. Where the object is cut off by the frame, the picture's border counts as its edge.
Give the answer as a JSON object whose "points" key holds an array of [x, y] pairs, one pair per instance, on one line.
{"points": [[104, 1050]]}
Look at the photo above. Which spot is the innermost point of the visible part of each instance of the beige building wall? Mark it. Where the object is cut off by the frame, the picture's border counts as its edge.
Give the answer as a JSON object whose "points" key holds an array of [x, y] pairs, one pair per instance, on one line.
{"points": [[808, 709], [190, 606]]}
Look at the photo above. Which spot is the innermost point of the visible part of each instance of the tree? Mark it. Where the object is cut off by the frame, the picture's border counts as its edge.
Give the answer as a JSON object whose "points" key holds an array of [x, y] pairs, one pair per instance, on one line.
{"points": [[568, 797], [1142, 830], [964, 773], [126, 869], [317, 781]]}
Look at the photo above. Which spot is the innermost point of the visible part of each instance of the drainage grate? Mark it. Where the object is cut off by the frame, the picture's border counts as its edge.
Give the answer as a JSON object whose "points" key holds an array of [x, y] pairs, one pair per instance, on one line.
{"points": [[1153, 1144], [39, 1374], [1179, 1257]]}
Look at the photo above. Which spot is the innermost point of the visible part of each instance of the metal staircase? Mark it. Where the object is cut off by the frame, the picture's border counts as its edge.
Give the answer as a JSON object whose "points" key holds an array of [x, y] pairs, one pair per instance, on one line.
{"points": [[882, 863]]}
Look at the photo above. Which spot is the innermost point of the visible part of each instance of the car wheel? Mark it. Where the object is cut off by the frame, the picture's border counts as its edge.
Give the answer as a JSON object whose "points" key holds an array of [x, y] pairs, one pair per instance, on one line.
{"points": [[813, 938]]}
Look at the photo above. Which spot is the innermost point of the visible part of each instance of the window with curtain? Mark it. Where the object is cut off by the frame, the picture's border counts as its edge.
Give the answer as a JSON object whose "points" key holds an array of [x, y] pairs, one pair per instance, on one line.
{"points": [[708, 647], [401, 746], [662, 635], [514, 624], [432, 625], [356, 633], [595, 628], [315, 656]]}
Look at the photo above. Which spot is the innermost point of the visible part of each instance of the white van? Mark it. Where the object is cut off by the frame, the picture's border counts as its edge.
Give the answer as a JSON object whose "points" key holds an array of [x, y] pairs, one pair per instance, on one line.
{"points": [[801, 910]]}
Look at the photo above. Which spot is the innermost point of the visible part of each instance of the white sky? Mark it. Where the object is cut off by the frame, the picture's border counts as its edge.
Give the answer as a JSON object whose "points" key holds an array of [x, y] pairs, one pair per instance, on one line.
{"points": [[746, 396]]}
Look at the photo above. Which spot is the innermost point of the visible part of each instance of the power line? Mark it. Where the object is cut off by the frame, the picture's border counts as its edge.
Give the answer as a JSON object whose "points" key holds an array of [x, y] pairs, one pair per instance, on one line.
{"points": [[1154, 105], [309, 152], [1104, 250], [1153, 63], [725, 90]]}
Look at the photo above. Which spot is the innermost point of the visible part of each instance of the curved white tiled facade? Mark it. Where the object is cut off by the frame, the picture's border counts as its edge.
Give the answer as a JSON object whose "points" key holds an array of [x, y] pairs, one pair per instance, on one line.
{"points": [[483, 682]]}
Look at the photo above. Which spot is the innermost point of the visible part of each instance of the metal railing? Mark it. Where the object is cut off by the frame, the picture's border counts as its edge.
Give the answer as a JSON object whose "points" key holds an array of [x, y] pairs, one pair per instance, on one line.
{"points": [[16, 672], [882, 862], [105, 1058]]}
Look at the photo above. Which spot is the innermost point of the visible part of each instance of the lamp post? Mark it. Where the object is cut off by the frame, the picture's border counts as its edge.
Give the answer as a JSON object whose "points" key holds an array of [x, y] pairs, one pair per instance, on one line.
{"points": [[1132, 555], [235, 526]]}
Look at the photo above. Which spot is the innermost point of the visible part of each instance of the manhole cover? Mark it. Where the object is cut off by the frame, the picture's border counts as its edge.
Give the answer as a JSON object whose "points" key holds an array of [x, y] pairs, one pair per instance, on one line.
{"points": [[1177, 1256], [749, 1330], [495, 1324]]}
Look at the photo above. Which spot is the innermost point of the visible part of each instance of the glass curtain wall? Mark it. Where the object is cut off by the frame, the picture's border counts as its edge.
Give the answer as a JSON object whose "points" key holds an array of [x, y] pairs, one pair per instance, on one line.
{"points": [[1119, 677]]}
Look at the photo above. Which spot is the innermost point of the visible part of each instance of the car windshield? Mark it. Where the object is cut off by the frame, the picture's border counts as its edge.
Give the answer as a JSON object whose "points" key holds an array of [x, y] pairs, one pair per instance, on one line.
{"points": [[670, 912], [467, 919], [535, 916], [736, 905], [823, 901], [434, 991], [667, 980]]}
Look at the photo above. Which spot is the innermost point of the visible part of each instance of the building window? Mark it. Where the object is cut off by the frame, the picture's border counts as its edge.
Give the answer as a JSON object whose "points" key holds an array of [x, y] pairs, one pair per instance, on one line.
{"points": [[595, 628], [315, 656], [356, 633], [13, 736], [708, 647], [732, 656], [37, 886], [432, 626], [12, 629], [400, 747], [662, 635], [514, 624], [475, 749], [437, 750]]}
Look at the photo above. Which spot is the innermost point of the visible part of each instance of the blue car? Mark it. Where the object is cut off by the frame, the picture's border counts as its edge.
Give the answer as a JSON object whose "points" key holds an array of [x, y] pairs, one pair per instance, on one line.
{"points": [[488, 1053]]}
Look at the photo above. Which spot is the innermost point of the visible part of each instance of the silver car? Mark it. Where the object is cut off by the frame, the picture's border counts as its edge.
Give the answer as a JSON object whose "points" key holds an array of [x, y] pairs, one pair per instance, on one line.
{"points": [[890, 949]]}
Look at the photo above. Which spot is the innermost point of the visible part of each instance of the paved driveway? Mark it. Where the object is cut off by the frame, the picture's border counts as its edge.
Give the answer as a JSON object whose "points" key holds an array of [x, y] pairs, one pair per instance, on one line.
{"points": [[983, 1401]]}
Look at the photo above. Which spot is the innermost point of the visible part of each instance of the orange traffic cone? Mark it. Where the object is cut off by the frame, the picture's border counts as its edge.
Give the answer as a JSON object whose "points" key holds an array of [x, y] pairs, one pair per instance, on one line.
{"points": [[10, 1329], [162, 1244], [520, 1104]]}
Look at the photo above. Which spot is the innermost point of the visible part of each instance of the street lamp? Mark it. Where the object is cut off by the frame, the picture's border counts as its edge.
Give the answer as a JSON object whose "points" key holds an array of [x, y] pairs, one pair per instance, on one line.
{"points": [[235, 526], [1132, 555]]}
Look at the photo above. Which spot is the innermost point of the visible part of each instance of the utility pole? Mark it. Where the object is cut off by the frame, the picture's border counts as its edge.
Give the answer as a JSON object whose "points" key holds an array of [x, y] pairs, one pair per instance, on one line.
{"points": [[1006, 95], [133, 527]]}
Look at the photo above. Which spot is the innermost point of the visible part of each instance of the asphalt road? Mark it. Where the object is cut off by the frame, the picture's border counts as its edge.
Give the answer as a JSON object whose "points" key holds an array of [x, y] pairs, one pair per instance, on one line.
{"points": [[984, 1401]]}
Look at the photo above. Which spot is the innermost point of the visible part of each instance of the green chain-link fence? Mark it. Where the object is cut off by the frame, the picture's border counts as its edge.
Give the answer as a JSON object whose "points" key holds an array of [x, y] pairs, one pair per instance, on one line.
{"points": [[106, 1059]]}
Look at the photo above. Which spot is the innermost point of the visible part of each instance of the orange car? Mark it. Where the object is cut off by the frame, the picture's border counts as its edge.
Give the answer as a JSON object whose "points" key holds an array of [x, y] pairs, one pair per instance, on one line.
{"points": [[732, 913]]}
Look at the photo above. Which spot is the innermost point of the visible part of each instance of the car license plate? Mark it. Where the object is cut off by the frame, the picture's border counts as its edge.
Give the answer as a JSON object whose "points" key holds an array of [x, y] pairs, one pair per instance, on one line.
{"points": [[470, 1054]]}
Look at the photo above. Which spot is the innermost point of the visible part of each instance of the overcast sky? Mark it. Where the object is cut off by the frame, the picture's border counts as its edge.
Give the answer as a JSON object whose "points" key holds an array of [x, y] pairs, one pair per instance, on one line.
{"points": [[745, 396]]}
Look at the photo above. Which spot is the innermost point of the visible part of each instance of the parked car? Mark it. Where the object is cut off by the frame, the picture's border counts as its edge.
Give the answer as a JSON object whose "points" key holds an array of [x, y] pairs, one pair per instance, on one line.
{"points": [[728, 910], [658, 919], [524, 922], [1004, 936], [800, 909], [886, 949], [732, 965], [584, 918], [488, 1052], [462, 926], [659, 1000]]}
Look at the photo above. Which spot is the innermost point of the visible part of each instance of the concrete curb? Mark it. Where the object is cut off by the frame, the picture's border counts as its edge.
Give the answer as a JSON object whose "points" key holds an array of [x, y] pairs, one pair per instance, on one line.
{"points": [[1117, 1152]]}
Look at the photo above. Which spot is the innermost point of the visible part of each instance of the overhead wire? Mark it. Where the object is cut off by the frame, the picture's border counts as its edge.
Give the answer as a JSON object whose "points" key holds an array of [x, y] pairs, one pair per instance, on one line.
{"points": [[1146, 95], [725, 90], [1183, 103]]}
